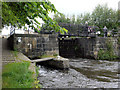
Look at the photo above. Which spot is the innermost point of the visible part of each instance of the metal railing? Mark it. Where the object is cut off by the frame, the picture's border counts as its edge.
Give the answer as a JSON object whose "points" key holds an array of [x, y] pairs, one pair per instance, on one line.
{"points": [[12, 31]]}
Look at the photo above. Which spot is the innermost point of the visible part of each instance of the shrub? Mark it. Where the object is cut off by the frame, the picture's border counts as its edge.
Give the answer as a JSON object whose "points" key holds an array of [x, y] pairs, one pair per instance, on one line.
{"points": [[107, 54], [119, 40]]}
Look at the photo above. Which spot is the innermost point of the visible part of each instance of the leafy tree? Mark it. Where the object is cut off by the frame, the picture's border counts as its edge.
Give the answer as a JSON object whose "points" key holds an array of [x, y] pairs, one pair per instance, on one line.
{"points": [[68, 20], [78, 20], [18, 14], [118, 13], [82, 18], [73, 19], [0, 16], [60, 18], [104, 16], [100, 17]]}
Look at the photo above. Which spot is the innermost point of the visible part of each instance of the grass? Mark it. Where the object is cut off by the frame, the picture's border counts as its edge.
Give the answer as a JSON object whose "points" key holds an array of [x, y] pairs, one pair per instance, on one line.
{"points": [[47, 56], [17, 75], [37, 71], [37, 85], [15, 53]]}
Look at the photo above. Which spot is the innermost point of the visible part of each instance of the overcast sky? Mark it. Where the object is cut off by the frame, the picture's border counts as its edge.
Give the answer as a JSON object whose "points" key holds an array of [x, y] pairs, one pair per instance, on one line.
{"points": [[69, 7]]}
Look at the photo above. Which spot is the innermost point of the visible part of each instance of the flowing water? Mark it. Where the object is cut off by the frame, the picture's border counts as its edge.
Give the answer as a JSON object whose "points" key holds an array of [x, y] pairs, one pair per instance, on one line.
{"points": [[83, 73]]}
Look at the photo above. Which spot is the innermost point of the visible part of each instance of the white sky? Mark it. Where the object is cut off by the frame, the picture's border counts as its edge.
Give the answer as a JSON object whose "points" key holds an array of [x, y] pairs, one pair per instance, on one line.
{"points": [[69, 7]]}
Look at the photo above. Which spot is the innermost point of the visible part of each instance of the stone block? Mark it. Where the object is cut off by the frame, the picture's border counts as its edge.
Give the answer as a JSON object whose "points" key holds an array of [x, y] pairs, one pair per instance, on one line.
{"points": [[60, 63]]}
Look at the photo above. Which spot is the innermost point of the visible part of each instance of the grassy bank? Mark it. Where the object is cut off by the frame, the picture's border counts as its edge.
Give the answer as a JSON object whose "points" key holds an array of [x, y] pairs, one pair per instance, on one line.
{"points": [[17, 75]]}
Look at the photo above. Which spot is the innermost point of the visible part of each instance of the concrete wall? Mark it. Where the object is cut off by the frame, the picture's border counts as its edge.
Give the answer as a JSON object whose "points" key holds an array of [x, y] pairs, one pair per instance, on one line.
{"points": [[33, 45]]}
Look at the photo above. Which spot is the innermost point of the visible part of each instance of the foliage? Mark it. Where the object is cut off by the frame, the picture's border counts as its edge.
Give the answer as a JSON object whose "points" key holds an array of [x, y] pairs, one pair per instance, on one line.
{"points": [[37, 70], [17, 75], [15, 53], [107, 54], [0, 16], [82, 18], [47, 56], [47, 27], [60, 18], [18, 14], [104, 16], [73, 19], [37, 85], [100, 17], [55, 55], [119, 40]]}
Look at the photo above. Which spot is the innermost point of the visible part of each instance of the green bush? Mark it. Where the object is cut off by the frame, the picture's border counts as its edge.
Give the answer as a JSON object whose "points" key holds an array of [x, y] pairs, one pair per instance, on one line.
{"points": [[107, 54], [119, 40]]}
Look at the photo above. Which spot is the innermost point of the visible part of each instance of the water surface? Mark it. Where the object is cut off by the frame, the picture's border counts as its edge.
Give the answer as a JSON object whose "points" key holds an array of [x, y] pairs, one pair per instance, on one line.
{"points": [[83, 73]]}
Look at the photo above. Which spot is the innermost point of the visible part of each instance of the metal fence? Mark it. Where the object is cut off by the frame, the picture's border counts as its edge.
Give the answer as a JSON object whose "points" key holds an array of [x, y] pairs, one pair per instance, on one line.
{"points": [[12, 31]]}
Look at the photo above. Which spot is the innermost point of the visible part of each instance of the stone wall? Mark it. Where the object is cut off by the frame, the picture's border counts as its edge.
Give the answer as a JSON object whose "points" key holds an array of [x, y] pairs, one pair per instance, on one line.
{"points": [[34, 45], [102, 43], [87, 47]]}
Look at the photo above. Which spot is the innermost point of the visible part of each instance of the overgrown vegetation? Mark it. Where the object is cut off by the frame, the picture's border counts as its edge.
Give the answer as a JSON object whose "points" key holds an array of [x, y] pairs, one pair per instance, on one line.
{"points": [[15, 53], [119, 40], [20, 75], [20, 14], [37, 85], [107, 54], [17, 75]]}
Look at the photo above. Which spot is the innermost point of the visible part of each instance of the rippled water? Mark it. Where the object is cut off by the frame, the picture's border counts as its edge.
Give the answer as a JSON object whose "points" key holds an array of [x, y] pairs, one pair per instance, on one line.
{"points": [[83, 73]]}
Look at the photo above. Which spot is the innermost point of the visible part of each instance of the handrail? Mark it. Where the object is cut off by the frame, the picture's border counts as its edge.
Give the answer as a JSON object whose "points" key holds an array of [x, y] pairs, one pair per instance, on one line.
{"points": [[12, 31]]}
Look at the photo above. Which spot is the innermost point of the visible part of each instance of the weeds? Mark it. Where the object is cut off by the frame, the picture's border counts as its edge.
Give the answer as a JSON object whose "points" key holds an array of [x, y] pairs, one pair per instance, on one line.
{"points": [[107, 54], [37, 85], [15, 53], [119, 40]]}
